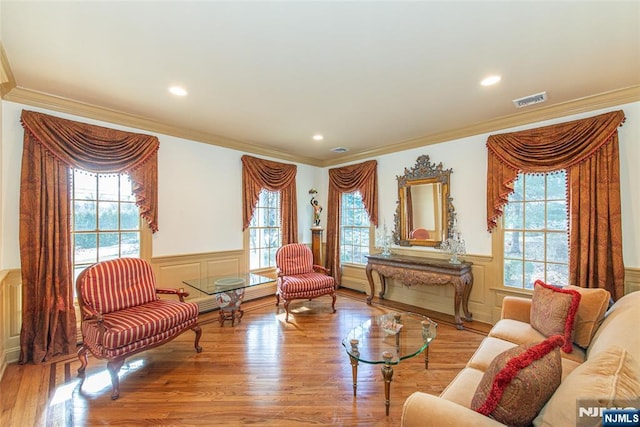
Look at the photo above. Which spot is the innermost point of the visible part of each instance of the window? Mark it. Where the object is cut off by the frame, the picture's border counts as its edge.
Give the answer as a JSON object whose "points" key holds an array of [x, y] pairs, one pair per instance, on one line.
{"points": [[105, 222], [535, 228], [354, 230], [265, 236]]}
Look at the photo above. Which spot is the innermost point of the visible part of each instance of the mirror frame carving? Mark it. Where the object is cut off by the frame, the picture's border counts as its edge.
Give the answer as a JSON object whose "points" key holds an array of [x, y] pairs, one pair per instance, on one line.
{"points": [[424, 172]]}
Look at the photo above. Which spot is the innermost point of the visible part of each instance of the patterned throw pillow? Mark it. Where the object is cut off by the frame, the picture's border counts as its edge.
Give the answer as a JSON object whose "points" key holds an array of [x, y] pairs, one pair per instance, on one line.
{"points": [[553, 312], [519, 381]]}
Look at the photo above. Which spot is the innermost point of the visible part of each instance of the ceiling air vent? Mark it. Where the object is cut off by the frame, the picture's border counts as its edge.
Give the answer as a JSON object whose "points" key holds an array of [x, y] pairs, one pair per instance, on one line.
{"points": [[531, 99], [339, 150]]}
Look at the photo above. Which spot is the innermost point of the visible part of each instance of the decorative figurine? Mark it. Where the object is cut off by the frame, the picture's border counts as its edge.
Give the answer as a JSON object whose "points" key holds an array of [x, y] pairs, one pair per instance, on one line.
{"points": [[316, 208]]}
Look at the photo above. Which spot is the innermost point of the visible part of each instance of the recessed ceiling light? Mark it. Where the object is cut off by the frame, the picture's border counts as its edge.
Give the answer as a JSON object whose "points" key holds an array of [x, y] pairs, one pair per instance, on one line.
{"points": [[318, 137], [491, 80], [178, 91]]}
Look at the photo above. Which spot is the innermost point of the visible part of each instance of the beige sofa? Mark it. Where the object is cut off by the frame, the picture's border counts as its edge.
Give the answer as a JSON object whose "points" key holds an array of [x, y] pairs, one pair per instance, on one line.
{"points": [[608, 369]]}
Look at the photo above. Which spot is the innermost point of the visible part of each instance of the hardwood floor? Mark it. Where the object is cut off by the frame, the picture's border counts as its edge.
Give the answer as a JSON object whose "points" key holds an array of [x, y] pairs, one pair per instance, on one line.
{"points": [[261, 372]]}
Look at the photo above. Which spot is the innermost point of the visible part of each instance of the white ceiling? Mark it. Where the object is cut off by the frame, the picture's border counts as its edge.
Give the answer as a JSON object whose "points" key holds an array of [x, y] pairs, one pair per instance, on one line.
{"points": [[364, 74]]}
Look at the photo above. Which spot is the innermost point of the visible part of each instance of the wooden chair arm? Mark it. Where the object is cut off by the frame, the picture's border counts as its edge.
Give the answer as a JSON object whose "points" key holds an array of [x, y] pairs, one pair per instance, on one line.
{"points": [[181, 293], [321, 269]]}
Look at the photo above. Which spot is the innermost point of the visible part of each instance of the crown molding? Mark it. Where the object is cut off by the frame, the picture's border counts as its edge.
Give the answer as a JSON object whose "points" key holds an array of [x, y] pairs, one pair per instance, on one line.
{"points": [[65, 105], [577, 106], [68, 106], [7, 80]]}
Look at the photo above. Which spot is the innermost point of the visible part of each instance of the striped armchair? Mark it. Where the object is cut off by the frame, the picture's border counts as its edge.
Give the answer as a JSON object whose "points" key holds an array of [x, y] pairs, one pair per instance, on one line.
{"points": [[122, 314], [299, 278]]}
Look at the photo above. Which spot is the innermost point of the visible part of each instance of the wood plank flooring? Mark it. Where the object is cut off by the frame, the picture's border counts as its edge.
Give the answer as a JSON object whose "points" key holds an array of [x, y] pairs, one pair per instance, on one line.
{"points": [[261, 372]]}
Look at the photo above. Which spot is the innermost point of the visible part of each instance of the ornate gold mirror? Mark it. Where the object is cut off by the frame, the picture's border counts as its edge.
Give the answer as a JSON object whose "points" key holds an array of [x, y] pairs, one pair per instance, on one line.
{"points": [[425, 214]]}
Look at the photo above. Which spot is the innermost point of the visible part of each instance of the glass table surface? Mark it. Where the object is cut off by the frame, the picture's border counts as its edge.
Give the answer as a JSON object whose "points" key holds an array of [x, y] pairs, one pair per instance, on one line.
{"points": [[399, 335], [227, 282]]}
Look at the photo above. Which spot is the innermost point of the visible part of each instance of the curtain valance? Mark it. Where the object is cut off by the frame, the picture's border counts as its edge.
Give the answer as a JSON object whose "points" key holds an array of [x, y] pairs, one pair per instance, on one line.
{"points": [[274, 176], [361, 177], [101, 150], [541, 150]]}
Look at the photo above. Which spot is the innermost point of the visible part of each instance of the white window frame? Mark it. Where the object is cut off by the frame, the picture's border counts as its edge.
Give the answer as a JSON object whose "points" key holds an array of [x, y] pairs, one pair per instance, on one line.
{"points": [[360, 226], [265, 229], [555, 271]]}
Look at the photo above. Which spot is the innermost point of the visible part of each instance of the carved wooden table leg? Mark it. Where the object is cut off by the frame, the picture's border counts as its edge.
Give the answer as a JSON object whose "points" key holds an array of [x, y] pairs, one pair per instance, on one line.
{"points": [[371, 284], [383, 284], [468, 279], [387, 374], [459, 286], [354, 364]]}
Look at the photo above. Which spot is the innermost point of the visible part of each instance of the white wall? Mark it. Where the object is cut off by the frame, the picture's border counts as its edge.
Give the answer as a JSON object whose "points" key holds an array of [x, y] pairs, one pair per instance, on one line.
{"points": [[200, 188], [199, 192], [468, 159]]}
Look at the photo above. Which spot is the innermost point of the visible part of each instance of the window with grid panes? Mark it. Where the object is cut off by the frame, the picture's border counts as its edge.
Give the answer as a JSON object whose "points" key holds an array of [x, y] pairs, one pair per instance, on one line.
{"points": [[105, 221], [354, 230], [265, 235], [535, 227]]}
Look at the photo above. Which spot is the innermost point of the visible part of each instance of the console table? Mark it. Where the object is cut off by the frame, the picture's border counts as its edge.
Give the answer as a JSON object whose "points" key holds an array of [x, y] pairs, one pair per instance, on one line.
{"points": [[413, 271]]}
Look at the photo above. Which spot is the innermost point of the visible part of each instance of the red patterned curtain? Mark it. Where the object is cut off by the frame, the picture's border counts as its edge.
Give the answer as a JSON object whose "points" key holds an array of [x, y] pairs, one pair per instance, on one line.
{"points": [[52, 148], [362, 177], [588, 150], [274, 176]]}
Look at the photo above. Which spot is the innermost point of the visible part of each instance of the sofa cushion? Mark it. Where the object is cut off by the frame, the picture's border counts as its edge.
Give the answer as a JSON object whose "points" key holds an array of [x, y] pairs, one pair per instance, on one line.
{"points": [[611, 378], [519, 381], [516, 332], [463, 387], [593, 305], [618, 327], [140, 322], [553, 311], [118, 284], [489, 348]]}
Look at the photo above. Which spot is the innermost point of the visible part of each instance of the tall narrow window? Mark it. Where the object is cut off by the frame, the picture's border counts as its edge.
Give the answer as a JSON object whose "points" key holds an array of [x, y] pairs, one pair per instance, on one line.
{"points": [[536, 231], [265, 235], [354, 230], [105, 219]]}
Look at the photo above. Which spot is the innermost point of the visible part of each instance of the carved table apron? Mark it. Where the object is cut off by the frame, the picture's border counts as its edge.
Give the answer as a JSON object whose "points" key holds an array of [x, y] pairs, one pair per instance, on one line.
{"points": [[413, 271]]}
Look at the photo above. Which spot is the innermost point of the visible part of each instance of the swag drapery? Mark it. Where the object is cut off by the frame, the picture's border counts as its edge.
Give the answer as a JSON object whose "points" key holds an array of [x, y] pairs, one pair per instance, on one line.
{"points": [[274, 176], [52, 148], [362, 177], [588, 150]]}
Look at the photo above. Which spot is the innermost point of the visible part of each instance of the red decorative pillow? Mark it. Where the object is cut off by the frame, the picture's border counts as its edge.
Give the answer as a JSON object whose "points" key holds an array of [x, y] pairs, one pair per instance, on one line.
{"points": [[519, 381], [553, 312]]}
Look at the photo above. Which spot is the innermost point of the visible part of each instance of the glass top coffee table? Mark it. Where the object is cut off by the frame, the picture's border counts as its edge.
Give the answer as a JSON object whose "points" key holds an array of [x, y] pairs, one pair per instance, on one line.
{"points": [[388, 339], [228, 290]]}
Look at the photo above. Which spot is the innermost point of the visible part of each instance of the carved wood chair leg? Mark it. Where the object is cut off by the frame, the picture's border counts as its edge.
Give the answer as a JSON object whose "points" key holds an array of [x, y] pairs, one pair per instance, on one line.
{"points": [[277, 299], [198, 330], [286, 309], [114, 368], [333, 304], [82, 355]]}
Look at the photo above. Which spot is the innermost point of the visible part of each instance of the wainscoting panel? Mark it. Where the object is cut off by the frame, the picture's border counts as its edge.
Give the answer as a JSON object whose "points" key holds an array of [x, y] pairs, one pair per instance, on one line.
{"points": [[11, 316], [631, 280]]}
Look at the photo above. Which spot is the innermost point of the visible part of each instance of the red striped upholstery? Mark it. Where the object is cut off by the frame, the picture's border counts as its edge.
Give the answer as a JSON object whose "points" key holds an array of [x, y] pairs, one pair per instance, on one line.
{"points": [[108, 353], [297, 278], [140, 322], [118, 284], [122, 314], [295, 258], [308, 285]]}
